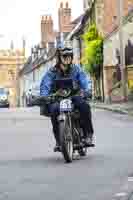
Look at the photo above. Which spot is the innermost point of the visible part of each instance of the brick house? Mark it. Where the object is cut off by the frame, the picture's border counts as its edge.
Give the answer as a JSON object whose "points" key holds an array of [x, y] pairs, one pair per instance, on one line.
{"points": [[106, 18]]}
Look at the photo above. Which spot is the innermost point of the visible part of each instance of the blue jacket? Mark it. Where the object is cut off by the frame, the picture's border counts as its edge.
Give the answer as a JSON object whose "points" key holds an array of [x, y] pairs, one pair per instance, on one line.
{"points": [[77, 74]]}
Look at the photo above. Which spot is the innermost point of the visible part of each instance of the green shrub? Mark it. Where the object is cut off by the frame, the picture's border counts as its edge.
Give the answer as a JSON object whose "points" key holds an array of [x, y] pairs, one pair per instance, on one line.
{"points": [[92, 59]]}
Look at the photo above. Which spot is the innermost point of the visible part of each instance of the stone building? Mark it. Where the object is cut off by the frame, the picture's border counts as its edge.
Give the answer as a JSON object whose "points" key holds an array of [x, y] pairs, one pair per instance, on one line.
{"points": [[104, 14], [112, 59], [107, 22], [10, 63]]}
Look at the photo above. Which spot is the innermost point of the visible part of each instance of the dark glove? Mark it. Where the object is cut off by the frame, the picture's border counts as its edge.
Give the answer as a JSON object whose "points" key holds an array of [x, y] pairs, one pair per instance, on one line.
{"points": [[35, 102], [85, 95]]}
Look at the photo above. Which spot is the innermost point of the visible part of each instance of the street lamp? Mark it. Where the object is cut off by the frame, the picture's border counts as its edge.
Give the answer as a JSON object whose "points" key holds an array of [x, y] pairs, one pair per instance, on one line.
{"points": [[122, 49]]}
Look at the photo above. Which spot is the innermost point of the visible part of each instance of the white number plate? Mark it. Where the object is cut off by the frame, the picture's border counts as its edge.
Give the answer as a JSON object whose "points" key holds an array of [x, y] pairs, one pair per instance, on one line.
{"points": [[65, 105]]}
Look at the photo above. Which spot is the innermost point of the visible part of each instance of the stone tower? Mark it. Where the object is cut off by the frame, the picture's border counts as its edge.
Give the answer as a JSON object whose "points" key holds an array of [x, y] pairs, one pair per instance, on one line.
{"points": [[64, 17], [47, 30]]}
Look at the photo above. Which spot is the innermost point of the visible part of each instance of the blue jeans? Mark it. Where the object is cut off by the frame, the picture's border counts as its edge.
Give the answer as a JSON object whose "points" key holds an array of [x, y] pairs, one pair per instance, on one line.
{"points": [[85, 115]]}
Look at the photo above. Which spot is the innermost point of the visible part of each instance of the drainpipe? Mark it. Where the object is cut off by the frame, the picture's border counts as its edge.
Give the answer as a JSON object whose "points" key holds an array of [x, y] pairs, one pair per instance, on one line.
{"points": [[122, 50]]}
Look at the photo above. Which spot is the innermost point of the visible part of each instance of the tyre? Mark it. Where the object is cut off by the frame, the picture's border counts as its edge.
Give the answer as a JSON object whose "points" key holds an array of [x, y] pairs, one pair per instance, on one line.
{"points": [[66, 139], [83, 150]]}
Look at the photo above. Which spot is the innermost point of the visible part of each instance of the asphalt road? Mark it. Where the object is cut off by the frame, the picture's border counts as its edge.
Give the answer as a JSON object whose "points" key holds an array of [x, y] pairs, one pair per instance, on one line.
{"points": [[29, 170]]}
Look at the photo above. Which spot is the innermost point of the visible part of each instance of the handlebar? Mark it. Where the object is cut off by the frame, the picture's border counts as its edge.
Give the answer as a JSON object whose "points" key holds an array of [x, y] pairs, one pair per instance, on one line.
{"points": [[51, 98], [41, 100]]}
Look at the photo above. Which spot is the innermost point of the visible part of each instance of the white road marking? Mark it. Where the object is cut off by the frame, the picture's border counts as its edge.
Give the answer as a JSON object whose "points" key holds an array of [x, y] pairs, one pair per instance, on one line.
{"points": [[130, 179], [122, 194]]}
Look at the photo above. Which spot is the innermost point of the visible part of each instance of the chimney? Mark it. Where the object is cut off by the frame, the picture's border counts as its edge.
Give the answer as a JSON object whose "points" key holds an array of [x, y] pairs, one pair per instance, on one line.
{"points": [[47, 31], [64, 15]]}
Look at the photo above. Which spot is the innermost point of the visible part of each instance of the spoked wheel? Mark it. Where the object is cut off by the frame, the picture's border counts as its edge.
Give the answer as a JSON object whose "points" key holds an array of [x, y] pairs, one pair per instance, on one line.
{"points": [[66, 139]]}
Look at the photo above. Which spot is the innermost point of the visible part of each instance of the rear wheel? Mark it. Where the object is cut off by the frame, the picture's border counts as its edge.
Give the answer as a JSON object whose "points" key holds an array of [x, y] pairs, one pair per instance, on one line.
{"points": [[83, 152], [66, 139]]}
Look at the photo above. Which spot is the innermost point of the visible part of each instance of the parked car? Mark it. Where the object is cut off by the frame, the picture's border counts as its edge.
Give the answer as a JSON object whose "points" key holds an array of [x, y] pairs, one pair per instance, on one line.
{"points": [[27, 96], [90, 91], [4, 98], [32, 93]]}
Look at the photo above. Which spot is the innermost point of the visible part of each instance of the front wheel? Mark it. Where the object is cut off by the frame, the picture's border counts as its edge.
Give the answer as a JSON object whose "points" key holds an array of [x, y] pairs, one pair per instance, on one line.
{"points": [[66, 140]]}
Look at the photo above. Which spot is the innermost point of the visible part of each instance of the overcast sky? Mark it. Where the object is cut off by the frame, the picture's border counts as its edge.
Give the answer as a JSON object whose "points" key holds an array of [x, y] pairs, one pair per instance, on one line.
{"points": [[21, 18]]}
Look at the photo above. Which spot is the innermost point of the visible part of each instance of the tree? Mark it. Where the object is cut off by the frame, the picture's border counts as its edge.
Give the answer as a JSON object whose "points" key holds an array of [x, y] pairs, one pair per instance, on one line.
{"points": [[92, 59]]}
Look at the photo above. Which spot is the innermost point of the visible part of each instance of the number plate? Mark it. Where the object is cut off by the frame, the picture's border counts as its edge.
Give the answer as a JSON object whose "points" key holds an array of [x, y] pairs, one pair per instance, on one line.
{"points": [[65, 105]]}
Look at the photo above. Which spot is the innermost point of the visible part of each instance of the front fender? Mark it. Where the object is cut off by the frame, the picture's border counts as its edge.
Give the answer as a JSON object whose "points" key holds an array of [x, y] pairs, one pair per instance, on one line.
{"points": [[62, 117]]}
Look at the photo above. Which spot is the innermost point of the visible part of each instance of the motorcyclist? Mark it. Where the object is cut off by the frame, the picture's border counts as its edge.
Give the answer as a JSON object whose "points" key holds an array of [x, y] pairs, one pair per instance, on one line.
{"points": [[65, 68]]}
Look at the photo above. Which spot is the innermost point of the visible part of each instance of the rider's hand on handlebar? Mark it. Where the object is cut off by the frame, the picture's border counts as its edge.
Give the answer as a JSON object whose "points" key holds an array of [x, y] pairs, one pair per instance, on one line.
{"points": [[85, 95], [82, 94]]}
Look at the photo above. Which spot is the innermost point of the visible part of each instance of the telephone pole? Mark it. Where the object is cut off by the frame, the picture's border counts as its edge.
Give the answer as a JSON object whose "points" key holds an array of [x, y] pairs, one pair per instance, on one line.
{"points": [[122, 49]]}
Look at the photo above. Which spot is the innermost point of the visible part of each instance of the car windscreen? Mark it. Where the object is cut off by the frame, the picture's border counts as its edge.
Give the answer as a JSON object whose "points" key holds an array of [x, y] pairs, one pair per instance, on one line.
{"points": [[2, 91]]}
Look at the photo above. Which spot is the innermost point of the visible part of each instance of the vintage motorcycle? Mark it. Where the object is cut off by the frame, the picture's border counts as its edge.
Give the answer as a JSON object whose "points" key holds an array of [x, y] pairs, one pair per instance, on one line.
{"points": [[70, 128]]}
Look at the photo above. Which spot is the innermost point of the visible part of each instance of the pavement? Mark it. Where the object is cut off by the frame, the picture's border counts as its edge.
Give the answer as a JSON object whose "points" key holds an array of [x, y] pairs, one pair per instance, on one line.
{"points": [[30, 170], [122, 108]]}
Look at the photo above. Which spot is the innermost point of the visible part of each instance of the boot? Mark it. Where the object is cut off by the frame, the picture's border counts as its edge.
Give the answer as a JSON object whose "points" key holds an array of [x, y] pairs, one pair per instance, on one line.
{"points": [[57, 147], [89, 141]]}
